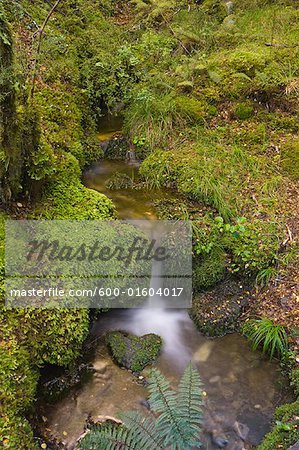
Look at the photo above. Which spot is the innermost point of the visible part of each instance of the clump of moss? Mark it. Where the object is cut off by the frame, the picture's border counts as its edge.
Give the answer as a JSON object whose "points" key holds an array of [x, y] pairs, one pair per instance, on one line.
{"points": [[134, 352], [66, 198], [18, 382], [286, 430], [290, 159], [243, 111], [216, 8], [209, 270]]}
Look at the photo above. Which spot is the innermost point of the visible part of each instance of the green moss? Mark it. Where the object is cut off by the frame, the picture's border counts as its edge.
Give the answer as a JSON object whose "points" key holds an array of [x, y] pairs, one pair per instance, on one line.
{"points": [[243, 111], [209, 270], [134, 352], [286, 430], [294, 378], [290, 159], [66, 198]]}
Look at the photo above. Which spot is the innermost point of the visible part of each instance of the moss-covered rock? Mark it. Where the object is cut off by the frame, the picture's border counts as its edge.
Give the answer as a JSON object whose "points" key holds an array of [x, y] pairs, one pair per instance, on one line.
{"points": [[133, 352], [117, 148]]}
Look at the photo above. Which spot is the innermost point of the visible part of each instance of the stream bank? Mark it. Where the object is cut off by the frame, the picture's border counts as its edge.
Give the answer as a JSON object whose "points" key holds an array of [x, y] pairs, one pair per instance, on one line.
{"points": [[241, 388]]}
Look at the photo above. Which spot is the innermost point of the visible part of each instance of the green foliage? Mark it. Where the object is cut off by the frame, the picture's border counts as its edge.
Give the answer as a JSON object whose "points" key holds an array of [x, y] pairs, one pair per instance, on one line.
{"points": [[209, 269], [290, 159], [134, 352], [175, 425], [286, 432], [263, 332], [156, 117], [294, 381], [15, 432], [243, 111]]}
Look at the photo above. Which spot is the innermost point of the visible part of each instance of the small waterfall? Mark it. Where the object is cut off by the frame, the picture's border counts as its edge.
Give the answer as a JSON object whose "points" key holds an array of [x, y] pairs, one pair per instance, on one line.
{"points": [[131, 156], [168, 323]]}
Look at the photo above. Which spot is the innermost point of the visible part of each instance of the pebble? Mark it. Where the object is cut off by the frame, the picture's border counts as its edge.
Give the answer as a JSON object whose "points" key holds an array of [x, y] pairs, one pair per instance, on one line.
{"points": [[220, 441], [214, 379]]}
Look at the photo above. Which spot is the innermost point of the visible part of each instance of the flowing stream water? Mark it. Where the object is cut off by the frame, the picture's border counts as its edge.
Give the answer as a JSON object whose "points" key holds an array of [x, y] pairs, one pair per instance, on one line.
{"points": [[241, 387]]}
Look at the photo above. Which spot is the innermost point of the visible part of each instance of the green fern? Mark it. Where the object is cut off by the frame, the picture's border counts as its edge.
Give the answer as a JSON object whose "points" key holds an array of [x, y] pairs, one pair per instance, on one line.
{"points": [[175, 425]]}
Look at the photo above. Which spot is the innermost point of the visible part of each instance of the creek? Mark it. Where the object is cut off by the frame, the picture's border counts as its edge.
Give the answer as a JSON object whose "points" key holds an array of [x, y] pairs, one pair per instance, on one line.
{"points": [[241, 387]]}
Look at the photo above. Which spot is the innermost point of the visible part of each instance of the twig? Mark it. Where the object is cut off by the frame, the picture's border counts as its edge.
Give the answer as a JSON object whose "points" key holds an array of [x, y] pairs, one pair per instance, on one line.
{"points": [[175, 35], [41, 32]]}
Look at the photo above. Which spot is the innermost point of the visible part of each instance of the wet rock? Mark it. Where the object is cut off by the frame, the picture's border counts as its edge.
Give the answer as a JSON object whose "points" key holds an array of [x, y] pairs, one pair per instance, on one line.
{"points": [[215, 379], [241, 430], [100, 366], [59, 386], [220, 441], [116, 148], [119, 181], [133, 352]]}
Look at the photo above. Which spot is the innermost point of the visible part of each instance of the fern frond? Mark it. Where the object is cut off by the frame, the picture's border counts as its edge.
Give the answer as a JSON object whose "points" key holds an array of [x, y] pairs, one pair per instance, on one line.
{"points": [[189, 400], [176, 427], [143, 430], [170, 425], [108, 437]]}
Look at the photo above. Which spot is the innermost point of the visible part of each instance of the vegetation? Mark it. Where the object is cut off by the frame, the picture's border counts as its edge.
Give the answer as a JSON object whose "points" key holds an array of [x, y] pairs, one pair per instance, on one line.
{"points": [[175, 422], [263, 332], [133, 352], [210, 103]]}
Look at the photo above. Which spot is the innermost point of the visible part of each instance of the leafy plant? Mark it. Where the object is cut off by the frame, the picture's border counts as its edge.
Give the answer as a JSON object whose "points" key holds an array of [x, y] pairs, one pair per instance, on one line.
{"points": [[264, 276], [176, 424], [263, 332]]}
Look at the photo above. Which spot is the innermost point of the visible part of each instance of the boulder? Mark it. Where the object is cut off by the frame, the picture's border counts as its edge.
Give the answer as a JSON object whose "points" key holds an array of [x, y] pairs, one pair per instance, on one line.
{"points": [[133, 352]]}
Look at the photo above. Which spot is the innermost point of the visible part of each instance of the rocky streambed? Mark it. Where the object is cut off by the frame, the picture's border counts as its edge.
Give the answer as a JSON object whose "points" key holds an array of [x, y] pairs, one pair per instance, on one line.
{"points": [[241, 388]]}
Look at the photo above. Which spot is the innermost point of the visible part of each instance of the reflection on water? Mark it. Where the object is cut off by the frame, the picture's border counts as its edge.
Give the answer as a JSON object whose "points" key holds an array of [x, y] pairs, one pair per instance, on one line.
{"points": [[130, 203], [109, 125], [240, 385]]}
